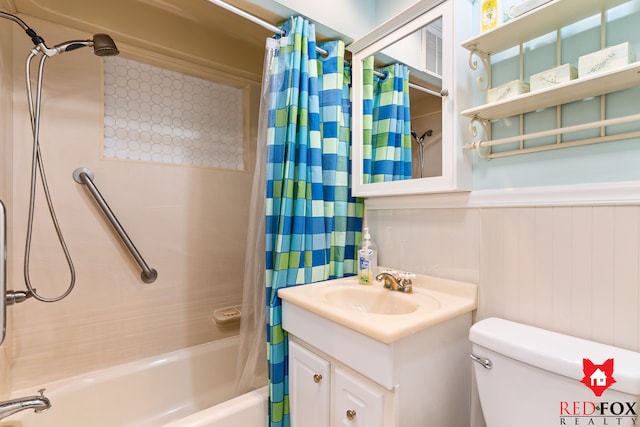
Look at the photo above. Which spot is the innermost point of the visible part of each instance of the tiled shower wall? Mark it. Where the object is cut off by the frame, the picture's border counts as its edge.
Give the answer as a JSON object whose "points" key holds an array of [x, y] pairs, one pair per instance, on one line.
{"points": [[189, 223], [160, 115]]}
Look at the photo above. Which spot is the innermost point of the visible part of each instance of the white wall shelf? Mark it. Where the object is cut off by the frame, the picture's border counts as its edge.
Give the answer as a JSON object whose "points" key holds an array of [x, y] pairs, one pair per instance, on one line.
{"points": [[575, 90], [537, 22], [550, 17]]}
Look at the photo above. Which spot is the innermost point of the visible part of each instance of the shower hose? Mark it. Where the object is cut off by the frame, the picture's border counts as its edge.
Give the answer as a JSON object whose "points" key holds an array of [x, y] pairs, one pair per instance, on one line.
{"points": [[37, 166]]}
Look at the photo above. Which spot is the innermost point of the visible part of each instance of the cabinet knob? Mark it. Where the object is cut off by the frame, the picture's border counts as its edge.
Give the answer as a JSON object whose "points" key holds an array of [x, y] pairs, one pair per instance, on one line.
{"points": [[351, 414], [317, 378]]}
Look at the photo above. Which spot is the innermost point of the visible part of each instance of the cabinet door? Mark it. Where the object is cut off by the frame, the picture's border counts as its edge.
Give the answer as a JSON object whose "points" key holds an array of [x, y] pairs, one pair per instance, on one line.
{"points": [[356, 404], [309, 388]]}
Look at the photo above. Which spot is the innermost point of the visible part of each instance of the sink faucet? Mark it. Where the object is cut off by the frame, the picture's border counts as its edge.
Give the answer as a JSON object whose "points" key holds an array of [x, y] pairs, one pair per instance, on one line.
{"points": [[400, 283], [37, 403]]}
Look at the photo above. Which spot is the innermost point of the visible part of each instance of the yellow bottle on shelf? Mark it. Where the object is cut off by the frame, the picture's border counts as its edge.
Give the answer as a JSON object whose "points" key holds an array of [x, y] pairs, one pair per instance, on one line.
{"points": [[489, 14]]}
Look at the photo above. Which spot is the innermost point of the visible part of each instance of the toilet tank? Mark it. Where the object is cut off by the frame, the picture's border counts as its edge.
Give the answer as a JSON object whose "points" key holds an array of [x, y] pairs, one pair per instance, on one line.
{"points": [[531, 377]]}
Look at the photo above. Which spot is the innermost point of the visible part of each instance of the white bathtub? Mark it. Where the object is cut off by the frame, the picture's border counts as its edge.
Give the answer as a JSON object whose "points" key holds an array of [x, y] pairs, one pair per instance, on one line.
{"points": [[191, 387]]}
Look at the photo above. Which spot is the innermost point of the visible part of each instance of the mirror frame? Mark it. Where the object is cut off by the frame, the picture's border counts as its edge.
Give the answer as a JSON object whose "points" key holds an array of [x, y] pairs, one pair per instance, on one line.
{"points": [[405, 24]]}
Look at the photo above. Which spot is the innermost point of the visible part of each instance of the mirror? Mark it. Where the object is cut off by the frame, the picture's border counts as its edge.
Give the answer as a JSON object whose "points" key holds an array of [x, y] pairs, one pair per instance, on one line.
{"points": [[424, 46], [426, 106]]}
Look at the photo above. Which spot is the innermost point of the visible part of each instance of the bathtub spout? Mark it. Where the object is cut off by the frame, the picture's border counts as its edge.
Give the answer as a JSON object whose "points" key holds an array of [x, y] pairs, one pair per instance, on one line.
{"points": [[37, 403]]}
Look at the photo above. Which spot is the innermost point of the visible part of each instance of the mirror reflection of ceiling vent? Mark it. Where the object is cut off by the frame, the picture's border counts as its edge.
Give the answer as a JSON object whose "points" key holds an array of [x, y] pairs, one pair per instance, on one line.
{"points": [[432, 36]]}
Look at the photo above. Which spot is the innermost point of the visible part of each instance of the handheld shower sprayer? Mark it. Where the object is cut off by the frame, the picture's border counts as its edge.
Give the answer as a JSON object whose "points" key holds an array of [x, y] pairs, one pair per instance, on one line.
{"points": [[102, 45]]}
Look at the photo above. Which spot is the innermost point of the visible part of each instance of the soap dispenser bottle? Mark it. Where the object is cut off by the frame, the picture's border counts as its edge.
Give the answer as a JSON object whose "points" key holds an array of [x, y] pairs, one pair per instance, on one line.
{"points": [[367, 259]]}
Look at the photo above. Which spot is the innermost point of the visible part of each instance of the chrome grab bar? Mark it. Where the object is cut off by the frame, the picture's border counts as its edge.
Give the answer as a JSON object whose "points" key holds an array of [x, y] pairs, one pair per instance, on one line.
{"points": [[85, 176], [7, 298], [3, 271]]}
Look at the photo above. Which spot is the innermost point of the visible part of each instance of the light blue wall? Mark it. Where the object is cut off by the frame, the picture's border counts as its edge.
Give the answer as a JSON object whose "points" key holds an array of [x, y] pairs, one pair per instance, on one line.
{"points": [[604, 162]]}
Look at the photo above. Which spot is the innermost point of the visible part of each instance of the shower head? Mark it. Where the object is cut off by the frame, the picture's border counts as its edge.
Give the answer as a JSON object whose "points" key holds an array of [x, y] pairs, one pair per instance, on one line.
{"points": [[103, 45]]}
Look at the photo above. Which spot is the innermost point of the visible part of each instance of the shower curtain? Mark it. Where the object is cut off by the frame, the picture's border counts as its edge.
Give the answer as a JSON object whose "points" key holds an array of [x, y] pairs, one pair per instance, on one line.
{"points": [[387, 123], [308, 226], [313, 224], [251, 365]]}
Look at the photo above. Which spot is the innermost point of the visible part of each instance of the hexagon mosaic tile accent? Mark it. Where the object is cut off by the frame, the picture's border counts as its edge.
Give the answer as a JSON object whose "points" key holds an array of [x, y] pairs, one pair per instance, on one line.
{"points": [[159, 115]]}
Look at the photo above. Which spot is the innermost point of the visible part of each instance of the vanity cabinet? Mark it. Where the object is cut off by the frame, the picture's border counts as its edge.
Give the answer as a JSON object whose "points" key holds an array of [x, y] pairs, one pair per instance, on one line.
{"points": [[323, 393], [421, 380], [371, 357]]}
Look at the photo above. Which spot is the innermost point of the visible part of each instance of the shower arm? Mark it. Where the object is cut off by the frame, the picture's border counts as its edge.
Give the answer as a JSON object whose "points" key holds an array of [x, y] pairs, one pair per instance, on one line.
{"points": [[102, 44]]}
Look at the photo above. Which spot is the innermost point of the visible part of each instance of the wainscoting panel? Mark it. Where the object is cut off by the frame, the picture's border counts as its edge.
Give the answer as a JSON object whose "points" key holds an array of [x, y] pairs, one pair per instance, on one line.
{"points": [[574, 270]]}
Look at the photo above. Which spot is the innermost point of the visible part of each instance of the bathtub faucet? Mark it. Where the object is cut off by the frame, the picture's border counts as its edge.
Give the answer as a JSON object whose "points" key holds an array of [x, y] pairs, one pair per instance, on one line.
{"points": [[37, 403]]}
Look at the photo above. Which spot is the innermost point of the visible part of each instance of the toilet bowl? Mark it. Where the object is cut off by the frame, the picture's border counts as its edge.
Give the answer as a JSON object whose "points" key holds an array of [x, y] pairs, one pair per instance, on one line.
{"points": [[531, 377]]}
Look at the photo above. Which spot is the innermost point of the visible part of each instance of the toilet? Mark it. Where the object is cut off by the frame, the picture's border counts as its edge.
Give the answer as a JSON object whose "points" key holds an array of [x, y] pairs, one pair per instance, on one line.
{"points": [[531, 377]]}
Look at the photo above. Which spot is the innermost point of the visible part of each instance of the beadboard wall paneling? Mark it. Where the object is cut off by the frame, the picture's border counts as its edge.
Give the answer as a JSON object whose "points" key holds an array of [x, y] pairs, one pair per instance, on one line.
{"points": [[439, 242], [625, 275], [575, 270], [572, 270]]}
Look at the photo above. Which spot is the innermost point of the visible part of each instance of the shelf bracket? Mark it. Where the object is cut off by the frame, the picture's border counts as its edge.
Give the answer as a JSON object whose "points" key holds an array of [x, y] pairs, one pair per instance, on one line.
{"points": [[483, 83], [475, 124]]}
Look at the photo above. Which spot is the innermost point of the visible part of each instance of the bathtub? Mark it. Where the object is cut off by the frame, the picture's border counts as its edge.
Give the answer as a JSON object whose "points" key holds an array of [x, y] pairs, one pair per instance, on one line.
{"points": [[191, 387]]}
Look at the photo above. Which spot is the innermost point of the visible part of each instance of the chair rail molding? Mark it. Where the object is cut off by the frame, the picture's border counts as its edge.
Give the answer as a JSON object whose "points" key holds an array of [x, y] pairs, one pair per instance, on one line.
{"points": [[588, 194]]}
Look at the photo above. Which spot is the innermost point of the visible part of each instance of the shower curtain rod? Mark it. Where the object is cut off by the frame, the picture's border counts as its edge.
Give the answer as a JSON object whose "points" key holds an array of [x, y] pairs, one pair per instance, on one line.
{"points": [[256, 20], [321, 51]]}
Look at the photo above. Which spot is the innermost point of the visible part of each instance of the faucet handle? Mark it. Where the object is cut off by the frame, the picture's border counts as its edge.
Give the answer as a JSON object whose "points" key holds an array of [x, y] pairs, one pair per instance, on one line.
{"points": [[406, 285], [406, 277]]}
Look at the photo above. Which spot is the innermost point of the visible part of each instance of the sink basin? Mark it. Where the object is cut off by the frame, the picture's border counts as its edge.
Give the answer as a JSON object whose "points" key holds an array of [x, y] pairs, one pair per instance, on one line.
{"points": [[380, 313], [368, 299]]}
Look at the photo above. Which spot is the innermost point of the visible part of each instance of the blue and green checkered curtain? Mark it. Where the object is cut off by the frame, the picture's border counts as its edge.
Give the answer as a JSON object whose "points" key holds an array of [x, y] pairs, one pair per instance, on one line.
{"points": [[313, 223], [387, 123]]}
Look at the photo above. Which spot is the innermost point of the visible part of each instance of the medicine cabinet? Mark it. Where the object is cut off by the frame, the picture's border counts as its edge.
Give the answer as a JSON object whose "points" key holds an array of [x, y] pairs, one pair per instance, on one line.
{"points": [[425, 37]]}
